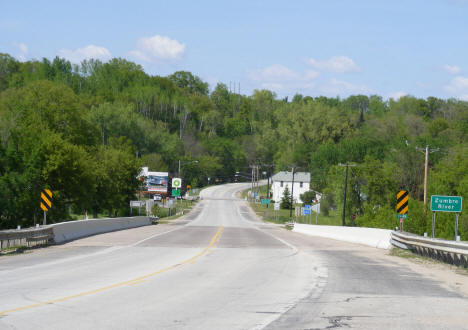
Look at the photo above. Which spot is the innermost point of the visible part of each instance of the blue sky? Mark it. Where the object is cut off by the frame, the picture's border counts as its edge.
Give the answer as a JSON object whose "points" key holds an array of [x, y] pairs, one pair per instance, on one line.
{"points": [[335, 47]]}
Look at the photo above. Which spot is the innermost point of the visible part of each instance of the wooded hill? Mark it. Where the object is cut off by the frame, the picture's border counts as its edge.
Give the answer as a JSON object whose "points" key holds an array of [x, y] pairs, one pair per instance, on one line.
{"points": [[85, 130]]}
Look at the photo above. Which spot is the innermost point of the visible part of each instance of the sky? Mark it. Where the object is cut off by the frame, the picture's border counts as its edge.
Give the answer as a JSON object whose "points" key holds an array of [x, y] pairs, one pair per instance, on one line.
{"points": [[331, 48]]}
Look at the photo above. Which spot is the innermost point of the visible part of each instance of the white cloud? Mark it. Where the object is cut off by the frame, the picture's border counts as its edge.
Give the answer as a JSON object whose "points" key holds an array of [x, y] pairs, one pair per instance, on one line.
{"points": [[458, 87], [397, 95], [281, 73], [338, 64], [87, 52], [311, 74], [23, 51], [280, 78], [339, 87], [273, 86], [23, 48], [158, 48], [452, 69], [275, 72]]}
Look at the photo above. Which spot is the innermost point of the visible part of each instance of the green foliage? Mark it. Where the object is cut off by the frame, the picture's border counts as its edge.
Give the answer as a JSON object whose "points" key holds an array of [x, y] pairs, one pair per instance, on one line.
{"points": [[159, 212], [308, 197], [84, 131], [286, 199]]}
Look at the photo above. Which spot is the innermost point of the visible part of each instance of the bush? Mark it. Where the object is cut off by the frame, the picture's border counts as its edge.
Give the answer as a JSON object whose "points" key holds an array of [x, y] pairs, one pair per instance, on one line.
{"points": [[159, 212]]}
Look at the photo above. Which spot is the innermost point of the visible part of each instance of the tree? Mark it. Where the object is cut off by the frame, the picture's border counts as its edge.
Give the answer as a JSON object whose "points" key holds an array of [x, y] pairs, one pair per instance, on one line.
{"points": [[189, 82], [308, 197], [286, 199]]}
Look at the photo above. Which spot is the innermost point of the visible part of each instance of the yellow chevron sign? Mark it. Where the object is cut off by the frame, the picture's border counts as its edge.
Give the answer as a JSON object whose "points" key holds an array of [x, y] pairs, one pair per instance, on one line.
{"points": [[46, 199], [402, 202]]}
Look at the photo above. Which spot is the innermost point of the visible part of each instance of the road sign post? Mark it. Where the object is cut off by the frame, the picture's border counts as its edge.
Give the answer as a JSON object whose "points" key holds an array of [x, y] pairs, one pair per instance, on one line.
{"points": [[452, 204]]}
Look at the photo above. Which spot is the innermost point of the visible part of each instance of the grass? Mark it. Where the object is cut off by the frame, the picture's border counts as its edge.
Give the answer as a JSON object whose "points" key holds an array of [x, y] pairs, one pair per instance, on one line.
{"points": [[282, 216], [180, 205], [407, 254]]}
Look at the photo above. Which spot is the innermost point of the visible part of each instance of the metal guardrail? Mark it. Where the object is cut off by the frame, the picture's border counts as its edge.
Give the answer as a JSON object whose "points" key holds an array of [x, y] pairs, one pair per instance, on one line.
{"points": [[455, 253], [25, 237]]}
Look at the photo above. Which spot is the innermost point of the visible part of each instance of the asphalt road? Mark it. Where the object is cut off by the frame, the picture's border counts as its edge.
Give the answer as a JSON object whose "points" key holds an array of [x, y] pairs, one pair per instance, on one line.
{"points": [[219, 267]]}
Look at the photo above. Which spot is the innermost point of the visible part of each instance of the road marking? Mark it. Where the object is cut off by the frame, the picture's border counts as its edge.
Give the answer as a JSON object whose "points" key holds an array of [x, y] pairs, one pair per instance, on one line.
{"points": [[153, 236], [120, 284]]}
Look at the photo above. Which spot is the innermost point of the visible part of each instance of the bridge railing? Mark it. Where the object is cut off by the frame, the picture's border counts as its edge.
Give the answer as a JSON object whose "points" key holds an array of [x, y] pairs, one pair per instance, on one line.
{"points": [[452, 252], [25, 237]]}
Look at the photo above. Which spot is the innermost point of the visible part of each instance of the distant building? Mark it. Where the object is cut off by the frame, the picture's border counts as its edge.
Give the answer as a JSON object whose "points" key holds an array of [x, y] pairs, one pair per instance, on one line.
{"points": [[283, 179]]}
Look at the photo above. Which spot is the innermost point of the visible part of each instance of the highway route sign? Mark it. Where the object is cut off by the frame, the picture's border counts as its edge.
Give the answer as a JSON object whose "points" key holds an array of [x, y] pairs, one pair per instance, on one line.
{"points": [[176, 192]]}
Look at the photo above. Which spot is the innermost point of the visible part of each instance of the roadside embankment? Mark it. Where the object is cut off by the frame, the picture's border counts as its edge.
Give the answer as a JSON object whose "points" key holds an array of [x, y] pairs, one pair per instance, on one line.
{"points": [[378, 238]]}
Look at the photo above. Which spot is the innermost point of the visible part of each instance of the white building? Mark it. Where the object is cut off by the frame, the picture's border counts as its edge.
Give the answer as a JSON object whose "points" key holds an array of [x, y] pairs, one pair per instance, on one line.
{"points": [[281, 180]]}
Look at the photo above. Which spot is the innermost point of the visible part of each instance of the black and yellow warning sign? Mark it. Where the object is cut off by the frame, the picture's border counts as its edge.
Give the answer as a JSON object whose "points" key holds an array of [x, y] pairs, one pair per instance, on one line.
{"points": [[46, 199], [402, 202]]}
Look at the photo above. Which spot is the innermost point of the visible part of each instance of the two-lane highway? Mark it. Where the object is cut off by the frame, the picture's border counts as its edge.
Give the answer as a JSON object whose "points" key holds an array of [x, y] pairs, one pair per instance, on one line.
{"points": [[219, 267]]}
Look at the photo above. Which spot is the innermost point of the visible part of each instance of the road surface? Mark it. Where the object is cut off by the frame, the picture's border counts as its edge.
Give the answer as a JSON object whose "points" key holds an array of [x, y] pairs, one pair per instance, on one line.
{"points": [[219, 267]]}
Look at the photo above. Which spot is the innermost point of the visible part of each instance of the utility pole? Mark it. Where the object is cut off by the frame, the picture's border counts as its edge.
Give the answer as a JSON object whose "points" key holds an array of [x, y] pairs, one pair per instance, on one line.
{"points": [[252, 181], [343, 222], [256, 178], [293, 168], [267, 173], [426, 151]]}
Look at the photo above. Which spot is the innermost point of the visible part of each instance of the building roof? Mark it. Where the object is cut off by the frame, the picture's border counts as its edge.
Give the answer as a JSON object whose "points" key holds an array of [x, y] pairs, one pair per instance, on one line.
{"points": [[287, 176]]}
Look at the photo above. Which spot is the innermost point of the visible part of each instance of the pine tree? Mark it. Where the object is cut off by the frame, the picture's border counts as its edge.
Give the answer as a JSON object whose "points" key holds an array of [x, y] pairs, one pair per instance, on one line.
{"points": [[286, 199]]}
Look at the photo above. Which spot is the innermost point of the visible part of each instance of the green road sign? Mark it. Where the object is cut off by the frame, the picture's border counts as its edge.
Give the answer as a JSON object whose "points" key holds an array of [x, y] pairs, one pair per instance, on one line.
{"points": [[265, 201], [446, 203], [175, 192], [402, 216]]}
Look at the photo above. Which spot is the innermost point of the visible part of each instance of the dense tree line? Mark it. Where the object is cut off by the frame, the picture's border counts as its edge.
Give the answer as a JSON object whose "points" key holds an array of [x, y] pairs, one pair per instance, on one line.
{"points": [[85, 130]]}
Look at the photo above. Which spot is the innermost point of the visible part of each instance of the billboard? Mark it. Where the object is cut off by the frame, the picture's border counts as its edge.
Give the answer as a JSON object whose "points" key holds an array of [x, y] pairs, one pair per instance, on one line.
{"points": [[157, 182]]}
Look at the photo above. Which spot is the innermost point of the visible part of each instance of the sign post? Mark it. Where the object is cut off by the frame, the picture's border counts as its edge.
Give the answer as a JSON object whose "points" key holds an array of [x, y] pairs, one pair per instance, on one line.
{"points": [[46, 202], [276, 208], [451, 204], [307, 212]]}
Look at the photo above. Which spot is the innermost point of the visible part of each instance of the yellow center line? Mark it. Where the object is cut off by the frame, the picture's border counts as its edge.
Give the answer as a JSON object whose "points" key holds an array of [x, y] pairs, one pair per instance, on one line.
{"points": [[120, 284]]}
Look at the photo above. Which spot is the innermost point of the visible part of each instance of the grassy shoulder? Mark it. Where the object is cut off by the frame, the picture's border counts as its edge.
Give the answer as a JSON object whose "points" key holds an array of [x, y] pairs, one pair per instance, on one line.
{"points": [[419, 259], [180, 208], [267, 212]]}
